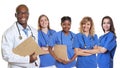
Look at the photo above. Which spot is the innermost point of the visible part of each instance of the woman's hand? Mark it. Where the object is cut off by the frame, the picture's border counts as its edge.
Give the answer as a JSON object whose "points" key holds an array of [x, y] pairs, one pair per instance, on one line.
{"points": [[66, 61], [45, 49], [81, 52], [59, 59], [102, 49], [92, 51]]}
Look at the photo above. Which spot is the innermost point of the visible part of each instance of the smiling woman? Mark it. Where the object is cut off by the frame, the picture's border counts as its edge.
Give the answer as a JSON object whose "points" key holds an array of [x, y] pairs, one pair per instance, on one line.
{"points": [[108, 43], [55, 9], [63, 37]]}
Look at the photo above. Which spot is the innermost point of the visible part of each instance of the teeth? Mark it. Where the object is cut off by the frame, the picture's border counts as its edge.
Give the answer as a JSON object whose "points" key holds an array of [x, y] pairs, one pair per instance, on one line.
{"points": [[23, 19]]}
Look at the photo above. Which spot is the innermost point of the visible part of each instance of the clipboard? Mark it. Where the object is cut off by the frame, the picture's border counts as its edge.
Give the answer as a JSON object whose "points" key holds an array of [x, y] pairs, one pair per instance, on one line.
{"points": [[61, 52], [28, 47]]}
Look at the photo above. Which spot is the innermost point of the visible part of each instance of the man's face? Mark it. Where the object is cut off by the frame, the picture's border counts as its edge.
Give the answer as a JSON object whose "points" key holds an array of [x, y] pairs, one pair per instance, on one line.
{"points": [[22, 15]]}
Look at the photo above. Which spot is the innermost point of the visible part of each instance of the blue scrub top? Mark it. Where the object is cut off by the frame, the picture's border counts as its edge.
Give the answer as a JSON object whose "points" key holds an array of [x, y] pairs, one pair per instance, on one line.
{"points": [[108, 41], [90, 41], [61, 38], [43, 39]]}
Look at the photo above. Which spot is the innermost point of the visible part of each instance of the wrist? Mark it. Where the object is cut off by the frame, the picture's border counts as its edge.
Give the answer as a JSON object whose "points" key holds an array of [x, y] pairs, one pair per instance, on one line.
{"points": [[56, 58]]}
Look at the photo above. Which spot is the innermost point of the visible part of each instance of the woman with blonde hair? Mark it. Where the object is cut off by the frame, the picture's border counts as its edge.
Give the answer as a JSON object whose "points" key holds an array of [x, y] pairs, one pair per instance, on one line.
{"points": [[44, 35], [84, 41]]}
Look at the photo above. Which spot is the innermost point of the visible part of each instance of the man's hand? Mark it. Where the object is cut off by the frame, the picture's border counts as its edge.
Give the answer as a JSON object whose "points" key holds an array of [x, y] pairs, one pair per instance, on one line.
{"points": [[33, 58]]}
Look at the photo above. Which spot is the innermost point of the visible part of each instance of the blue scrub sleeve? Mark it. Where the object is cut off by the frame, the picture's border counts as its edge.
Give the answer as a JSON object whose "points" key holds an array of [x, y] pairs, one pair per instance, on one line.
{"points": [[52, 40], [110, 42], [76, 42]]}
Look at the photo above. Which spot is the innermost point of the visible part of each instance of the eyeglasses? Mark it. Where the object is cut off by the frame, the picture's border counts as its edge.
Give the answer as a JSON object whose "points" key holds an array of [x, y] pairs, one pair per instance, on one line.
{"points": [[21, 13]]}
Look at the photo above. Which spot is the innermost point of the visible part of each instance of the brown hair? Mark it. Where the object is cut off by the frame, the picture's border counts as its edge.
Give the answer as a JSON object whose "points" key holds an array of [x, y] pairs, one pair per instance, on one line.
{"points": [[85, 20], [39, 26], [112, 29]]}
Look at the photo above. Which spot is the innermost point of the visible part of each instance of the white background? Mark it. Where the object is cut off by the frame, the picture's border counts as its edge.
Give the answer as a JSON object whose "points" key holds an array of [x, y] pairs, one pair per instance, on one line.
{"points": [[55, 9]]}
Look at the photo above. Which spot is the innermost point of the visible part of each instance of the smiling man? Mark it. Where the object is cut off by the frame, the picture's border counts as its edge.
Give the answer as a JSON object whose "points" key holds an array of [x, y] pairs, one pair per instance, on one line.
{"points": [[15, 35]]}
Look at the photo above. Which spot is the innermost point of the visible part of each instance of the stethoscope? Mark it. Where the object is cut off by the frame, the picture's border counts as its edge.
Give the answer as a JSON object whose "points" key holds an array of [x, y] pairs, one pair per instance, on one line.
{"points": [[85, 46], [20, 36], [62, 37], [44, 37]]}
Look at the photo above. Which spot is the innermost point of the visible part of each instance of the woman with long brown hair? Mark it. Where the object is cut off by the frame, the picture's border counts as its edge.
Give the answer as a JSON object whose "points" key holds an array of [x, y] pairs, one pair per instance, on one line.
{"points": [[107, 43]]}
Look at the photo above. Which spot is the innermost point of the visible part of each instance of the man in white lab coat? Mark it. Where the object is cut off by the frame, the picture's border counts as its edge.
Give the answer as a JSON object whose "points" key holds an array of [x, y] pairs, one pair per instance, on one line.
{"points": [[16, 34]]}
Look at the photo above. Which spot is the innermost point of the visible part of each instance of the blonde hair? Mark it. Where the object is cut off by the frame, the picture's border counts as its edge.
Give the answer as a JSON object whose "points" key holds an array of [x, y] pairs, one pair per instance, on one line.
{"points": [[84, 21], [39, 26]]}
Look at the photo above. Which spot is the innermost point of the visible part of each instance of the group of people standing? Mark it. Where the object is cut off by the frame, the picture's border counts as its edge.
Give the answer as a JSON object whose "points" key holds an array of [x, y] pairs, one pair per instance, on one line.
{"points": [[84, 49]]}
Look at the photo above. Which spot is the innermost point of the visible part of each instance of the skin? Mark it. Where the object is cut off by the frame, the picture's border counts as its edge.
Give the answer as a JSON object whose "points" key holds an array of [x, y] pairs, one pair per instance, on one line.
{"points": [[22, 15], [66, 25], [44, 22], [106, 25], [86, 28]]}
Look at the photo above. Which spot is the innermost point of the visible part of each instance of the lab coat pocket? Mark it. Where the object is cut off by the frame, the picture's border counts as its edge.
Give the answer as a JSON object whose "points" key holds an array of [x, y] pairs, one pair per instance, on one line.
{"points": [[18, 40]]}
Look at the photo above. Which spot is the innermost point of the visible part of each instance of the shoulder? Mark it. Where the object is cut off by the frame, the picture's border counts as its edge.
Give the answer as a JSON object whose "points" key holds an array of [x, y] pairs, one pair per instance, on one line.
{"points": [[78, 35], [33, 29], [39, 32], [95, 35], [51, 30], [59, 32], [11, 30], [110, 34], [72, 33]]}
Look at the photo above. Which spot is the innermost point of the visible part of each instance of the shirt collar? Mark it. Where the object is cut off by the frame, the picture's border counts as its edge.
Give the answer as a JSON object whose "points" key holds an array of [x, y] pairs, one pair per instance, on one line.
{"points": [[21, 27]]}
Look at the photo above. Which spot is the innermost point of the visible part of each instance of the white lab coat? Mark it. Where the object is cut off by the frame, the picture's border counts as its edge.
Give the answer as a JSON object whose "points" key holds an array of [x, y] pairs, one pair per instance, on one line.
{"points": [[10, 40]]}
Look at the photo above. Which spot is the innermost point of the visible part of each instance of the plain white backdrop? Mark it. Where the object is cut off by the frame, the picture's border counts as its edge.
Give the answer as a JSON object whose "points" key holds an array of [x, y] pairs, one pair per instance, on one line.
{"points": [[55, 9]]}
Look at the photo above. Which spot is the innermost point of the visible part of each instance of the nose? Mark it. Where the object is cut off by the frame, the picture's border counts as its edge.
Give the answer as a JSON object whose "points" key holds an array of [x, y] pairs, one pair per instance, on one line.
{"points": [[24, 14]]}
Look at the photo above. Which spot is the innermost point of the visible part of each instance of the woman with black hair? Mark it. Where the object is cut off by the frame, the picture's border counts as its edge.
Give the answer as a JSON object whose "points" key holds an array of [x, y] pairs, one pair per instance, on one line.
{"points": [[63, 37]]}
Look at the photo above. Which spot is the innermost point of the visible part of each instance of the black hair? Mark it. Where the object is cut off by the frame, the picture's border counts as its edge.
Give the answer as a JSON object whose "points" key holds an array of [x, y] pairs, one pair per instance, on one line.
{"points": [[64, 18], [20, 6]]}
